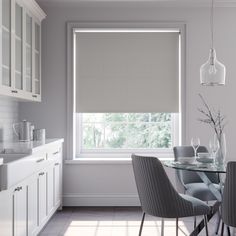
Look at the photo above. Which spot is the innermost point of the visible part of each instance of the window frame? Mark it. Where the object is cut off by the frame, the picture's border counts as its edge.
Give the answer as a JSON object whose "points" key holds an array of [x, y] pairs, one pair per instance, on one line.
{"points": [[72, 27]]}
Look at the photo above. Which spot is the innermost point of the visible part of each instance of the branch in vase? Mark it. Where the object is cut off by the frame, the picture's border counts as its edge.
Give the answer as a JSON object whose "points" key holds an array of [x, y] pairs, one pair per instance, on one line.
{"points": [[215, 119]]}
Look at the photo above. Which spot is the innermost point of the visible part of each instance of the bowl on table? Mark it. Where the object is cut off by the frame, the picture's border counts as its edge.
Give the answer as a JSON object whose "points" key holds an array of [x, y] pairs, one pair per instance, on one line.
{"points": [[204, 157], [186, 160]]}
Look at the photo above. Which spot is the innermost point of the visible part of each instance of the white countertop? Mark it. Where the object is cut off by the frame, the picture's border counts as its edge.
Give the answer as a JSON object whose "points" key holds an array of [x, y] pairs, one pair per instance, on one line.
{"points": [[26, 147]]}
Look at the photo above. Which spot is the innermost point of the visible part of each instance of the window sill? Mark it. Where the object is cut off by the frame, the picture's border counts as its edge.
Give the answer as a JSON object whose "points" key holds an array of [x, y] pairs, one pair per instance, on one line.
{"points": [[112, 159]]}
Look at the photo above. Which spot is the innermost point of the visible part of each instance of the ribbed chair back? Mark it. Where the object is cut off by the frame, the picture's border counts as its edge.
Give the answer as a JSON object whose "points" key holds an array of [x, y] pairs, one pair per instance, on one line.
{"points": [[229, 196], [157, 195], [190, 176]]}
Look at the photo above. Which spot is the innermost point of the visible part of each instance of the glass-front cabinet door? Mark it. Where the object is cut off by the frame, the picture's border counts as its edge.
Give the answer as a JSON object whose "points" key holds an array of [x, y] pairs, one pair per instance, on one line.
{"points": [[6, 43], [18, 47], [37, 75], [28, 54]]}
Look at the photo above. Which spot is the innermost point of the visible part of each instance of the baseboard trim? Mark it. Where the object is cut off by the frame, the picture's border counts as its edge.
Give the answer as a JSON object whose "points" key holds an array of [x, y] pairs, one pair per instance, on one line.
{"points": [[100, 200]]}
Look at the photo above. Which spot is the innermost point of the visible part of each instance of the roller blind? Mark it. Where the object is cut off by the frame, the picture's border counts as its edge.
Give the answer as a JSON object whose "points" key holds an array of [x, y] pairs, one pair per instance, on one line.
{"points": [[127, 72]]}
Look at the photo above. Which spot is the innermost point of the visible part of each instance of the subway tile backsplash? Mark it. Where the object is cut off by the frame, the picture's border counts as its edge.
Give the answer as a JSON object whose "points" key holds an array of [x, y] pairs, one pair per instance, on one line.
{"points": [[8, 116]]}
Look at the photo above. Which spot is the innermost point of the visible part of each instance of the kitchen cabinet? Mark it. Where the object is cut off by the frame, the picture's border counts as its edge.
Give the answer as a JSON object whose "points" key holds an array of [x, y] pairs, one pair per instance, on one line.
{"points": [[28, 205], [50, 189], [20, 210], [57, 183], [57, 176], [5, 45], [32, 205], [42, 197], [20, 44], [6, 213]]}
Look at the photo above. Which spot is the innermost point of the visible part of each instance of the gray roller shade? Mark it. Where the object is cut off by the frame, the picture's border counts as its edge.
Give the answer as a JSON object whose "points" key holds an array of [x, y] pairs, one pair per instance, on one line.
{"points": [[127, 71]]}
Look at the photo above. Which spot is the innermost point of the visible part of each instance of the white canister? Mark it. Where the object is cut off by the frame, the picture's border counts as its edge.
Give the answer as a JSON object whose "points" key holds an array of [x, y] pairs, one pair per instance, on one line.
{"points": [[39, 135], [31, 132]]}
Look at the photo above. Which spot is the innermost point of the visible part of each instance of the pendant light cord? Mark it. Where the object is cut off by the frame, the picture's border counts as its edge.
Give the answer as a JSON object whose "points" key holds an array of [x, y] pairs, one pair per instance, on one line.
{"points": [[212, 24]]}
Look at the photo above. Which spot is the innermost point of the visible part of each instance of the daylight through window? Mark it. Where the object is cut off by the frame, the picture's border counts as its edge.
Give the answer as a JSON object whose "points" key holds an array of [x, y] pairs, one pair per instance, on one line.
{"points": [[112, 131]]}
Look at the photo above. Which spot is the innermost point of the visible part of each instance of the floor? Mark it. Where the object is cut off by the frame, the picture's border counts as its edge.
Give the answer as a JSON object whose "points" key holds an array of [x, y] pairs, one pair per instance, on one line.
{"points": [[113, 221]]}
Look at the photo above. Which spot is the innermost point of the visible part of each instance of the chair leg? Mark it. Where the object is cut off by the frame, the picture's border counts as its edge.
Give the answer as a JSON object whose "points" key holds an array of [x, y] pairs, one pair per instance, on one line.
{"points": [[162, 226], [177, 226], [228, 230], [218, 223], [222, 229], [195, 222], [141, 226], [206, 226]]}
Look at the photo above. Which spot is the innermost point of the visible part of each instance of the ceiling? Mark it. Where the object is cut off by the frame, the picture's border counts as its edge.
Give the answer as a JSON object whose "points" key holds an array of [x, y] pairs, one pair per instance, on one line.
{"points": [[223, 3]]}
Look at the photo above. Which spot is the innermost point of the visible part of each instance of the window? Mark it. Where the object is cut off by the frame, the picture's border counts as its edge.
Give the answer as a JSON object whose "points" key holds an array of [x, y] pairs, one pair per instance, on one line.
{"points": [[100, 120], [125, 132]]}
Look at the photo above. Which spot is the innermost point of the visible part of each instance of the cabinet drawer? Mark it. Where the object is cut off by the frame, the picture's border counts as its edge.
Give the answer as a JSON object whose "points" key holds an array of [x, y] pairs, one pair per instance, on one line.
{"points": [[41, 161], [55, 154]]}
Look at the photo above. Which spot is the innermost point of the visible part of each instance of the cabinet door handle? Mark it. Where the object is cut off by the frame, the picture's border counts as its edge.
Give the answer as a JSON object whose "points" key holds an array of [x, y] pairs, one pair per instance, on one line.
{"points": [[34, 96], [42, 173], [57, 164], [40, 160], [55, 153], [14, 91], [18, 189]]}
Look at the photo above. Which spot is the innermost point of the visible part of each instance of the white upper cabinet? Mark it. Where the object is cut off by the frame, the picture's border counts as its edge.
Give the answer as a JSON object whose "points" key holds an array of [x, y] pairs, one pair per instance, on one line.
{"points": [[20, 44]]}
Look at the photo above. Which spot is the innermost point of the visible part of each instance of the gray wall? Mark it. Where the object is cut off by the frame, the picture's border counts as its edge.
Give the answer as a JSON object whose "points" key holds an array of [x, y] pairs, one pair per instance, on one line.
{"points": [[113, 184], [8, 116]]}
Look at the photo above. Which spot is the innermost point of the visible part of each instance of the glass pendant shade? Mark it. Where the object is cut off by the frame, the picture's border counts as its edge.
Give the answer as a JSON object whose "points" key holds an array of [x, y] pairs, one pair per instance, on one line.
{"points": [[212, 72]]}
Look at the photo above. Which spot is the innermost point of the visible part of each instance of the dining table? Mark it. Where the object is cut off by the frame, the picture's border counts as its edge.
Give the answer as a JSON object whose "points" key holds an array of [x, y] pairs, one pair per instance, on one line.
{"points": [[201, 169]]}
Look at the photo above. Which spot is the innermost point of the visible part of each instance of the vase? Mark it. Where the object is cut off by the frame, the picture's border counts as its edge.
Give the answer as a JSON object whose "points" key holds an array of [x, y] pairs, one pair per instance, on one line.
{"points": [[221, 154]]}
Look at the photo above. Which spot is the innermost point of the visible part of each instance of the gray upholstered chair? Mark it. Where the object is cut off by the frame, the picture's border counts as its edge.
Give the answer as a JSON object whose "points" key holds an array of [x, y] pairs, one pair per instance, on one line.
{"points": [[190, 180], [157, 195], [191, 183], [229, 197]]}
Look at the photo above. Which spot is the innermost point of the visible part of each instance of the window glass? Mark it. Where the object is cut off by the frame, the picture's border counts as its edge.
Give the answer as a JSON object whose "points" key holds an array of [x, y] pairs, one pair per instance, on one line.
{"points": [[115, 131]]}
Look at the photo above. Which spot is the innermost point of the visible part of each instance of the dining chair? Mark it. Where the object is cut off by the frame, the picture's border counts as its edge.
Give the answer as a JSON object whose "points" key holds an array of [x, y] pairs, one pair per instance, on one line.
{"points": [[229, 197], [191, 183], [159, 198]]}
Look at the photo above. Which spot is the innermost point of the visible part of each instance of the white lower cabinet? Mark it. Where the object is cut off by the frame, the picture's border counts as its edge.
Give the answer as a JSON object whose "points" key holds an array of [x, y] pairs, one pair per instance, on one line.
{"points": [[32, 197], [42, 197], [26, 207], [57, 183], [20, 210], [50, 189], [6, 213]]}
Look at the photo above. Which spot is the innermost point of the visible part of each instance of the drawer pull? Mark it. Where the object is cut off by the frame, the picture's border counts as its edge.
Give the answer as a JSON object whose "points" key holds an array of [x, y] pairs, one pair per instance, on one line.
{"points": [[55, 153], [34, 96], [14, 91], [40, 160], [57, 164], [41, 174]]}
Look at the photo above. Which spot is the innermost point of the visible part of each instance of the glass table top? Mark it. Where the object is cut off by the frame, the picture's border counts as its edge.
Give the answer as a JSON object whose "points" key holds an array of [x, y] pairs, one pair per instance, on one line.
{"points": [[196, 166]]}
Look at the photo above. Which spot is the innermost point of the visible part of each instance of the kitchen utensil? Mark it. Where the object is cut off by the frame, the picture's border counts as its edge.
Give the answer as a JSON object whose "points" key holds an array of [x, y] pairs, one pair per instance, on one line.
{"points": [[39, 135], [22, 130]]}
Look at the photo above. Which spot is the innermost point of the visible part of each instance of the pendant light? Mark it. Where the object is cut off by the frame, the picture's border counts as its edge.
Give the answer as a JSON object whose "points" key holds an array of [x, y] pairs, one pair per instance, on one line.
{"points": [[212, 72]]}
